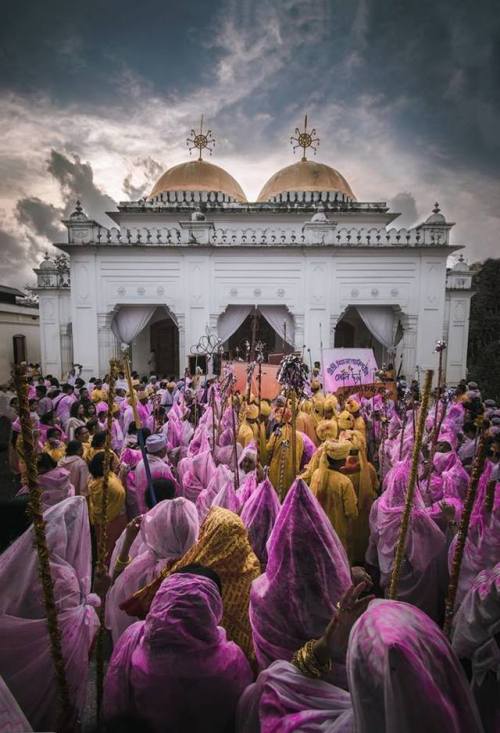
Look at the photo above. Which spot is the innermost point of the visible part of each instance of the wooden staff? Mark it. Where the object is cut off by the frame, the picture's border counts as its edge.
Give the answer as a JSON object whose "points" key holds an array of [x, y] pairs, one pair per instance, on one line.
{"points": [[400, 548], [477, 469], [103, 535], [67, 713], [212, 400], [235, 446], [259, 421], [403, 428], [294, 433]]}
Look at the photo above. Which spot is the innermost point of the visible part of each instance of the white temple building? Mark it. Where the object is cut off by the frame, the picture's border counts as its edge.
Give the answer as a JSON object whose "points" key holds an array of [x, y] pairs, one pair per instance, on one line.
{"points": [[306, 264]]}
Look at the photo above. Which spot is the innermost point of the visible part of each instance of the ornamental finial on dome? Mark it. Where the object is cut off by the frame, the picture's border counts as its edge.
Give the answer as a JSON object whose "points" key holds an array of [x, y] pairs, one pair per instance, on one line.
{"points": [[200, 140], [304, 139]]}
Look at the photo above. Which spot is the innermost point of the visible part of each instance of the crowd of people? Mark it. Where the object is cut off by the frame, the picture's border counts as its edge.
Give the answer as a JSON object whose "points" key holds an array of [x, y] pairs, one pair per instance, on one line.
{"points": [[250, 545]]}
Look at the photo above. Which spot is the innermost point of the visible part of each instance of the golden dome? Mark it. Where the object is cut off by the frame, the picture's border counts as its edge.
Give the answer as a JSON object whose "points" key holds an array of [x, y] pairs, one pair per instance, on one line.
{"points": [[198, 175], [306, 175]]}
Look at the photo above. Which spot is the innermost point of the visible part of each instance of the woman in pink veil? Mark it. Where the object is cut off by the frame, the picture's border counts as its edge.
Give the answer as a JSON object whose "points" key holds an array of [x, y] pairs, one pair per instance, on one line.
{"points": [[176, 669], [25, 659], [403, 675], [168, 531], [259, 515], [306, 574], [423, 575], [476, 628]]}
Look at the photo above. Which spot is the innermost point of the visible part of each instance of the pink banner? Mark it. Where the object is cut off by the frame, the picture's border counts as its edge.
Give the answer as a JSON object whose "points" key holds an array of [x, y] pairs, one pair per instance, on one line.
{"points": [[347, 368]]}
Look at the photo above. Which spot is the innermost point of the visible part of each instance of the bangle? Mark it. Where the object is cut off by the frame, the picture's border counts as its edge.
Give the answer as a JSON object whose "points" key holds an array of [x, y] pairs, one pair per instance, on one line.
{"points": [[307, 662], [120, 564]]}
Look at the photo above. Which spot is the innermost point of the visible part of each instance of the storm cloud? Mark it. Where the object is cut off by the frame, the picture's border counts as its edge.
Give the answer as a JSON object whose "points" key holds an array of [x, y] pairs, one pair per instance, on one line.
{"points": [[405, 98]]}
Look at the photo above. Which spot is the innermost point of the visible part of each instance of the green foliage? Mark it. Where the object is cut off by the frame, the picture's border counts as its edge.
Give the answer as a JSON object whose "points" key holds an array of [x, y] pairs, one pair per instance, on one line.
{"points": [[483, 358]]}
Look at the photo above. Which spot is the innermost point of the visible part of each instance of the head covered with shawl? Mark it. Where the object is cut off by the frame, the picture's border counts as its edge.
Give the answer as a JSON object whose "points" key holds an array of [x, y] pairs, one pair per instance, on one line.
{"points": [[222, 546], [259, 515], [176, 669], [424, 539], [403, 675], [307, 573], [26, 663], [167, 532]]}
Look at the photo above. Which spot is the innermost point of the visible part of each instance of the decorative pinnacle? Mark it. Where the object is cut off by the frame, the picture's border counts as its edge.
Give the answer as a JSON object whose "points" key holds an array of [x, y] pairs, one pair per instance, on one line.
{"points": [[200, 140], [304, 139], [436, 209]]}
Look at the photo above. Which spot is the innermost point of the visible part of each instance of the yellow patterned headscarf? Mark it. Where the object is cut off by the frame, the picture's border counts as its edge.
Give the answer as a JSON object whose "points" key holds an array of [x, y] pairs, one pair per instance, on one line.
{"points": [[222, 546]]}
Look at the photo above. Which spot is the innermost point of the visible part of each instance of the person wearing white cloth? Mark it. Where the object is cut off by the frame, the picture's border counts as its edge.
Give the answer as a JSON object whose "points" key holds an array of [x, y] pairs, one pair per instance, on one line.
{"points": [[167, 531], [26, 663]]}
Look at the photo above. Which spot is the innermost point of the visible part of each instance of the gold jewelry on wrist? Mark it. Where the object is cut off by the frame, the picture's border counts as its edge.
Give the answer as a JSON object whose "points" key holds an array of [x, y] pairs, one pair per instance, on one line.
{"points": [[307, 662], [120, 564]]}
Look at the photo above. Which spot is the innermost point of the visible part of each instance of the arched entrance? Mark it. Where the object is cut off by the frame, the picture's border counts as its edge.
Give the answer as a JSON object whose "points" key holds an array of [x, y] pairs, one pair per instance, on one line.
{"points": [[154, 338], [373, 327], [272, 325], [164, 345]]}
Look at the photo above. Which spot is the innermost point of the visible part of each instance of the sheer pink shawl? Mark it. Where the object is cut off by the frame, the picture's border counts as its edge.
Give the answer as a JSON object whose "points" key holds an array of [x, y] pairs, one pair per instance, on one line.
{"points": [[25, 660]]}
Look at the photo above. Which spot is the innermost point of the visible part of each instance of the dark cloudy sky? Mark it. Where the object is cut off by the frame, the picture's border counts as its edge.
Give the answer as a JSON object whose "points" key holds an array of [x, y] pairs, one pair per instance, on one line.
{"points": [[96, 99]]}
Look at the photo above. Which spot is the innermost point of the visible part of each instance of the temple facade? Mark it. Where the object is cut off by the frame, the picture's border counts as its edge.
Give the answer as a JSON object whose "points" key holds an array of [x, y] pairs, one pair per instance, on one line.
{"points": [[307, 266]]}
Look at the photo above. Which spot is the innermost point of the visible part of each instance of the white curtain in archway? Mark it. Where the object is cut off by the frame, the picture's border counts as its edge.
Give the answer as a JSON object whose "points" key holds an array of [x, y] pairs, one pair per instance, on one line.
{"points": [[232, 318], [380, 321], [130, 320], [278, 316]]}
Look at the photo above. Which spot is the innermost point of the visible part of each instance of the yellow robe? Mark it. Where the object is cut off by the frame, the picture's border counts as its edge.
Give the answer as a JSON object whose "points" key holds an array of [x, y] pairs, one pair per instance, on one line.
{"points": [[336, 495], [365, 483], [279, 452], [307, 425], [55, 453], [116, 498]]}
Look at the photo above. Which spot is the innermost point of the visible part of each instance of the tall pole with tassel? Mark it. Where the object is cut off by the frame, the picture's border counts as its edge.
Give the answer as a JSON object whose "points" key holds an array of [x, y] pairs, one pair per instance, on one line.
{"points": [[463, 529], [102, 542], [400, 548], [68, 713]]}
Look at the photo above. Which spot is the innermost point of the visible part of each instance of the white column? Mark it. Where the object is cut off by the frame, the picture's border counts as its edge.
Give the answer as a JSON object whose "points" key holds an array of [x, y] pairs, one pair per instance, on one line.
{"points": [[84, 313], [107, 345], [409, 323], [50, 332], [457, 338]]}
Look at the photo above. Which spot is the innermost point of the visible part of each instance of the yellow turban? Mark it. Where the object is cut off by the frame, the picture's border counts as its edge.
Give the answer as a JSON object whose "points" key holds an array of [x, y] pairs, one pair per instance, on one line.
{"points": [[345, 420], [338, 450], [327, 430], [252, 412], [315, 385], [170, 385], [352, 406], [265, 408], [330, 403]]}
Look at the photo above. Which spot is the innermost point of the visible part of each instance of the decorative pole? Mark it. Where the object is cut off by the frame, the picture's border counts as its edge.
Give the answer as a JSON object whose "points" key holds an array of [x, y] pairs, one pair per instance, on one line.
{"points": [[400, 549], [103, 536], [463, 529], [259, 351], [292, 376], [235, 445], [68, 712]]}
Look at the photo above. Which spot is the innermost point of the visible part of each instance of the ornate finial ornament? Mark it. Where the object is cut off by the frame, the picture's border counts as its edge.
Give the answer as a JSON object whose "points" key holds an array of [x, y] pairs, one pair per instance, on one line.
{"points": [[304, 139], [436, 209], [200, 140]]}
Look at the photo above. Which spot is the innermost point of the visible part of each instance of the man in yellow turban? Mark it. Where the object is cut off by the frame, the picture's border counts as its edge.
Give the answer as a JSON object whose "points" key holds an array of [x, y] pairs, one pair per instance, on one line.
{"points": [[345, 421], [327, 430], [249, 428], [354, 408], [365, 482], [334, 490], [279, 455]]}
